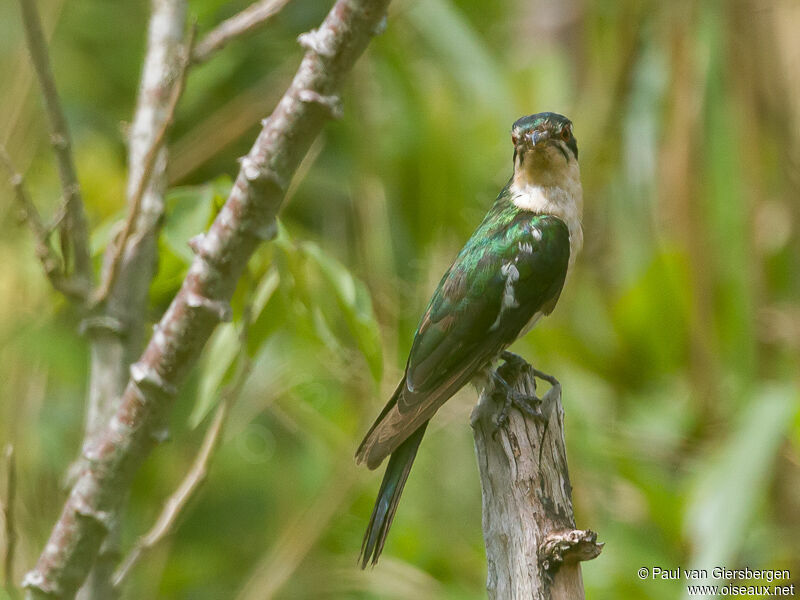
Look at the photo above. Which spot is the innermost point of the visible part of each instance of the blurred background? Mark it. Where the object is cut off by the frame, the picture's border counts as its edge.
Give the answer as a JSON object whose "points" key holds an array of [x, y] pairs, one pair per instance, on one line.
{"points": [[677, 339]]}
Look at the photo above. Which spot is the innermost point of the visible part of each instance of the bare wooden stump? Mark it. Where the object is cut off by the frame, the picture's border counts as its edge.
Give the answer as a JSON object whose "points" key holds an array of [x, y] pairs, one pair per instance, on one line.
{"points": [[533, 549]]}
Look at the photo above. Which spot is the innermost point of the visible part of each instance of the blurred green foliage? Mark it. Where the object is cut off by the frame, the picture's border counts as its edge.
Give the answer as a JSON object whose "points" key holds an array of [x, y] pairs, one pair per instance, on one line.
{"points": [[677, 338]]}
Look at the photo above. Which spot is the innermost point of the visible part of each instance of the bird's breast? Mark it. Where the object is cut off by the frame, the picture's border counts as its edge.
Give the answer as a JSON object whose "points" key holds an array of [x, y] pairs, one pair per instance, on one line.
{"points": [[564, 201]]}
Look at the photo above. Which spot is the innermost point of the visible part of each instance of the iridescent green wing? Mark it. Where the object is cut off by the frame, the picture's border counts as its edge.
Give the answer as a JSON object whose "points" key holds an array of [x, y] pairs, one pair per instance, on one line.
{"points": [[512, 268]]}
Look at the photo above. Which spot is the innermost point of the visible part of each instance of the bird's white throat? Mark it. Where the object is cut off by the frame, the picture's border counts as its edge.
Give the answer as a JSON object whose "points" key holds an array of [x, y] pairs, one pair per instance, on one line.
{"points": [[562, 197]]}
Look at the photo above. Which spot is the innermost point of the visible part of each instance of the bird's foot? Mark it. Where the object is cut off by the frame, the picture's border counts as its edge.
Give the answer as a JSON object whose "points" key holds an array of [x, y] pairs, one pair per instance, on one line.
{"points": [[529, 404], [516, 362]]}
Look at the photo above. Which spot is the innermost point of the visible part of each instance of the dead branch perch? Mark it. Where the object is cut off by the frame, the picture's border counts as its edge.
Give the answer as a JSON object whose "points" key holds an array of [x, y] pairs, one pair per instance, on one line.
{"points": [[533, 550]]}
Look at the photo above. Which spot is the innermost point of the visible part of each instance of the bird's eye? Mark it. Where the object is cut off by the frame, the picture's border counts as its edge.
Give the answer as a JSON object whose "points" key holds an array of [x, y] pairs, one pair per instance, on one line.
{"points": [[566, 133]]}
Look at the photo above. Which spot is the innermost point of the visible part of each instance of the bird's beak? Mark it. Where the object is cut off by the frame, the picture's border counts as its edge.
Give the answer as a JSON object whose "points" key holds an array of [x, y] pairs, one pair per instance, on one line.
{"points": [[538, 137]]}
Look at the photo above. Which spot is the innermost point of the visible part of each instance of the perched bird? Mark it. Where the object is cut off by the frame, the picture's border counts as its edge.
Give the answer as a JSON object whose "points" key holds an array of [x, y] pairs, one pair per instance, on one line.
{"points": [[509, 274]]}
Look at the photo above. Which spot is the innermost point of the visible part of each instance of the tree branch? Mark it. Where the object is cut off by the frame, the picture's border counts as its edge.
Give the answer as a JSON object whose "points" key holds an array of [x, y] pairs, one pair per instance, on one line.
{"points": [[8, 520], [247, 219], [148, 164], [74, 233], [50, 261], [116, 328], [239, 25], [533, 550]]}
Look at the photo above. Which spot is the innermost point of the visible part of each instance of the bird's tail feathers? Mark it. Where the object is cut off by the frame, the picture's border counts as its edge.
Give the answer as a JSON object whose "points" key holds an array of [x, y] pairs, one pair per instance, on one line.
{"points": [[394, 479], [367, 444]]}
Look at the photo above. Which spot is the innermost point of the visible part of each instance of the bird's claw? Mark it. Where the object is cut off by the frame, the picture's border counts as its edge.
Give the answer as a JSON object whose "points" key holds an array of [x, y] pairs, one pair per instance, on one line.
{"points": [[528, 404]]}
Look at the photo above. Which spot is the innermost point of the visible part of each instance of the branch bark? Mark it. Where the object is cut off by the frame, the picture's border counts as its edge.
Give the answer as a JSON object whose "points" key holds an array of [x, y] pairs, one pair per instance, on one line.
{"points": [[74, 232], [533, 550], [246, 219], [116, 327]]}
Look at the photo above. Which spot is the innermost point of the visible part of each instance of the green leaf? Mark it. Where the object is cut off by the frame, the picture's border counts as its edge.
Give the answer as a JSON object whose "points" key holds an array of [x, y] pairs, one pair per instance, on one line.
{"points": [[256, 336], [169, 275], [188, 213], [221, 353], [309, 266], [356, 306], [223, 350]]}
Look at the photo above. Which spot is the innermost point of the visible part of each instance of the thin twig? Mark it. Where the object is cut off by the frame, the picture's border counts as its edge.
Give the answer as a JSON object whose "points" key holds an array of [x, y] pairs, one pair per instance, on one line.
{"points": [[240, 24], [148, 164], [198, 473], [8, 519], [74, 233], [47, 256], [58, 217]]}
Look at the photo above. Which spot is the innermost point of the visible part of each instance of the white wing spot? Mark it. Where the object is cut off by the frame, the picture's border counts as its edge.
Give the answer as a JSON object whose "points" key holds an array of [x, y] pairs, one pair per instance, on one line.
{"points": [[526, 247], [536, 233], [511, 273], [509, 269]]}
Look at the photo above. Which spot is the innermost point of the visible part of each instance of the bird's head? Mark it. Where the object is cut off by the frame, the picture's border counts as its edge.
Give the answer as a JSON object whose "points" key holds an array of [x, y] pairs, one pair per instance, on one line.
{"points": [[545, 150]]}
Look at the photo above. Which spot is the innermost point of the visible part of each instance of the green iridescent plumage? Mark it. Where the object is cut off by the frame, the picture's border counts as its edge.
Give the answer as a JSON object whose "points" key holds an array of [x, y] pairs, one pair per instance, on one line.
{"points": [[510, 271], [512, 267]]}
